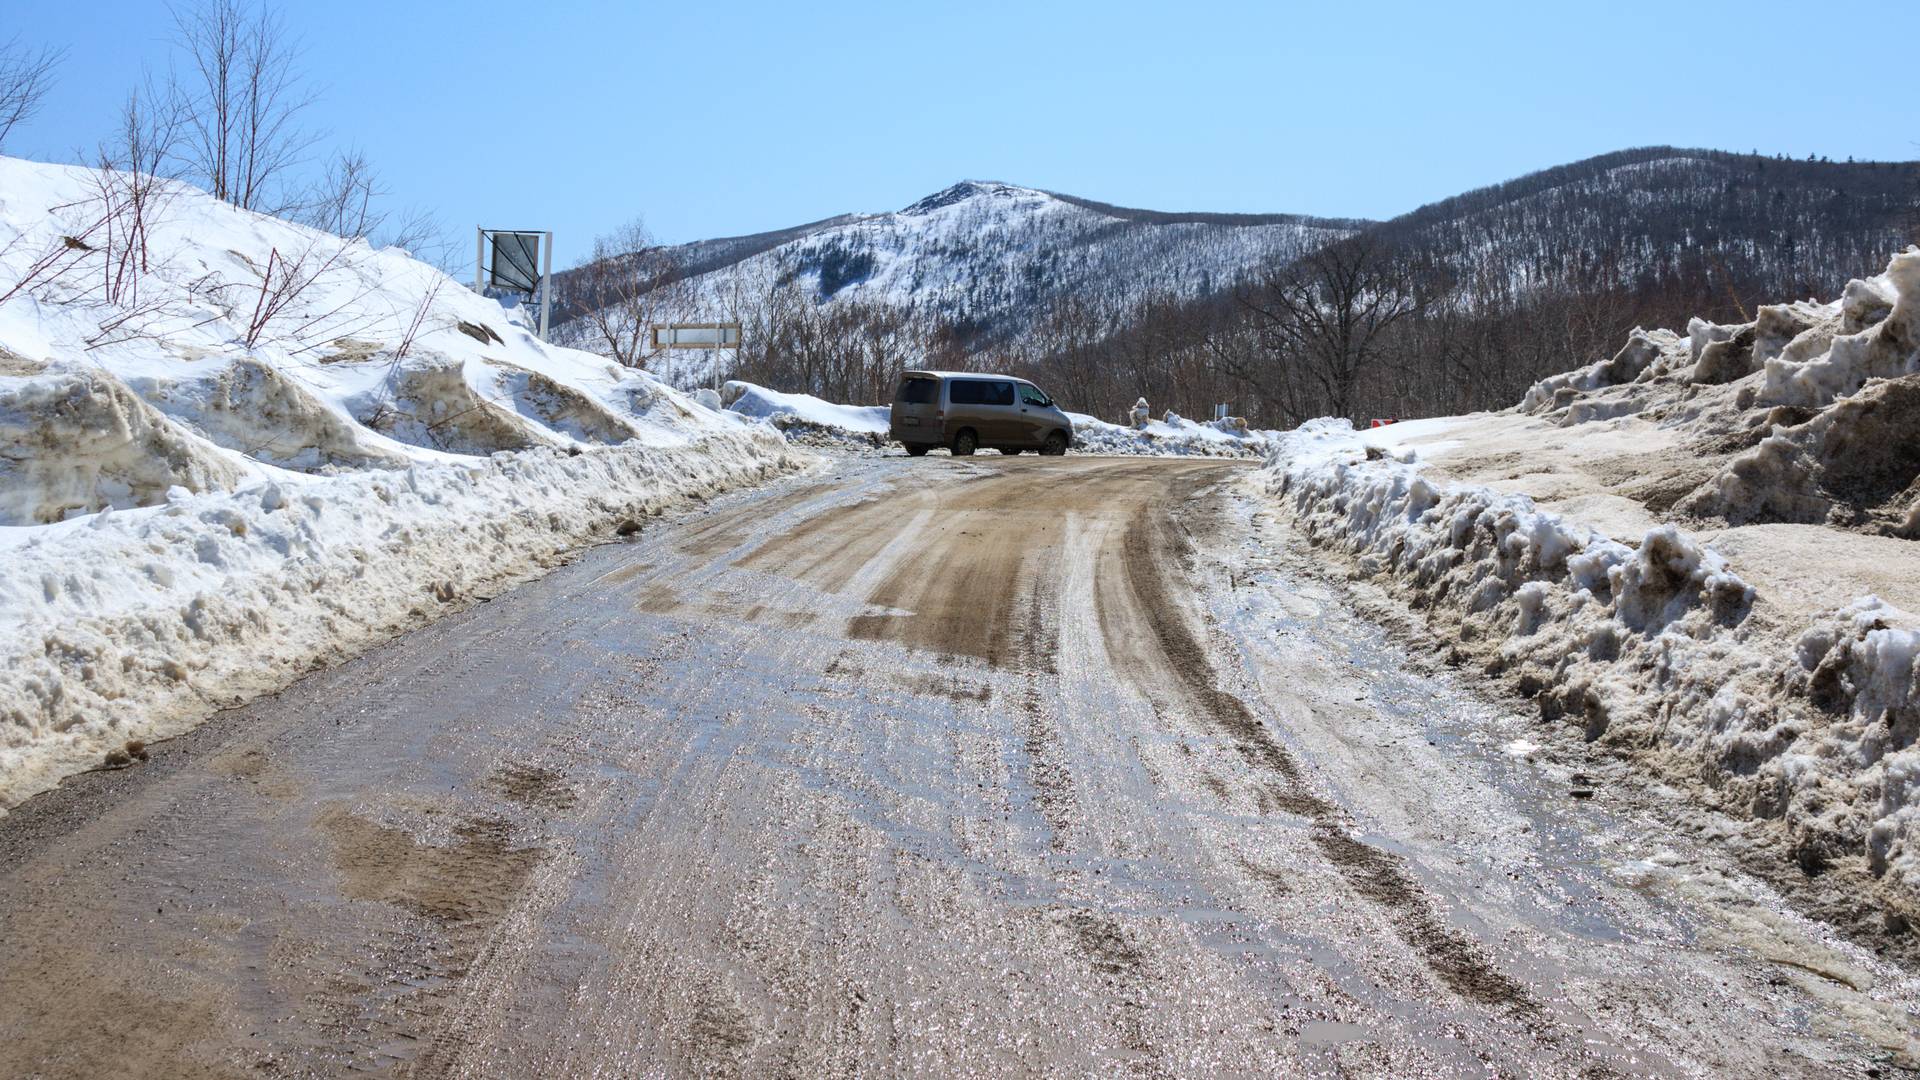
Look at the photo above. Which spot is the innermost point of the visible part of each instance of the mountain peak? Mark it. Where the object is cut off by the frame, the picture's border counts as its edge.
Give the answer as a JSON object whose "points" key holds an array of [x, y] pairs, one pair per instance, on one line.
{"points": [[969, 189]]}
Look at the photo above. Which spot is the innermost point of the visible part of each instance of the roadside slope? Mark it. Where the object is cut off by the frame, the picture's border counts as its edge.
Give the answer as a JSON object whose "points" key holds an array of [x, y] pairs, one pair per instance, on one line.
{"points": [[1699, 553], [233, 448]]}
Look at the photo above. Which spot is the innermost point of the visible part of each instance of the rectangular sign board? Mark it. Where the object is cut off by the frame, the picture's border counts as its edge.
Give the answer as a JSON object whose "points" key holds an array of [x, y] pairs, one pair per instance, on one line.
{"points": [[516, 261], [696, 335]]}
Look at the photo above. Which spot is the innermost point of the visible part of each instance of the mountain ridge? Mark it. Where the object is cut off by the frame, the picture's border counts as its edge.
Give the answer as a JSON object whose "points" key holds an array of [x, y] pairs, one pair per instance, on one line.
{"points": [[988, 260]]}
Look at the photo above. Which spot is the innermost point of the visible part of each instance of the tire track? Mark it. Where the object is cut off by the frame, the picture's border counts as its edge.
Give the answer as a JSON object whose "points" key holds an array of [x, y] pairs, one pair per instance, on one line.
{"points": [[1152, 551]]}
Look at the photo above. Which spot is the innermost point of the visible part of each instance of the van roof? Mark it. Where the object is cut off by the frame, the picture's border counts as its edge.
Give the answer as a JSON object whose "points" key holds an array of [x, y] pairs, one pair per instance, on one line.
{"points": [[962, 375]]}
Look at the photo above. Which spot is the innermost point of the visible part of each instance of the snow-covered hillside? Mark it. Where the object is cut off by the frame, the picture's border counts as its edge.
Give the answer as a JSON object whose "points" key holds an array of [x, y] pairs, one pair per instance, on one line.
{"points": [[989, 257], [1760, 225], [232, 448], [1701, 553]]}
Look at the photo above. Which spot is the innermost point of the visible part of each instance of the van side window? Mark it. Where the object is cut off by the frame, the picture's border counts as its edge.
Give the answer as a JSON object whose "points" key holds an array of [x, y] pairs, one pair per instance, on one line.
{"points": [[1032, 396], [980, 392], [919, 391]]}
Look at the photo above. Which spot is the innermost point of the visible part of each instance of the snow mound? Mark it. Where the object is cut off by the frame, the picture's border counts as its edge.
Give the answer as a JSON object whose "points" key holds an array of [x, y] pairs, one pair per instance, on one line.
{"points": [[790, 410], [428, 401], [74, 441], [255, 448], [1777, 688], [1173, 436], [1856, 463], [263, 413], [1887, 347], [1644, 352], [138, 624]]}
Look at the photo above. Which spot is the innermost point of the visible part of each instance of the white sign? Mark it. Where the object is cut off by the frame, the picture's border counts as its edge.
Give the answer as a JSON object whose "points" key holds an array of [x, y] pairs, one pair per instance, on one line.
{"points": [[696, 336]]}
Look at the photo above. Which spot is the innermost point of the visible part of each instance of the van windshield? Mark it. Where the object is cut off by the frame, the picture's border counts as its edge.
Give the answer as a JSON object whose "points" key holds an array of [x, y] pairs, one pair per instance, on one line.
{"points": [[918, 391]]}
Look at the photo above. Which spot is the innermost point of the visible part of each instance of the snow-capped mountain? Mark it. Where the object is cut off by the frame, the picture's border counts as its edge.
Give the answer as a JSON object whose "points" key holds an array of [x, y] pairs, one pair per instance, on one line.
{"points": [[987, 258], [985, 264]]}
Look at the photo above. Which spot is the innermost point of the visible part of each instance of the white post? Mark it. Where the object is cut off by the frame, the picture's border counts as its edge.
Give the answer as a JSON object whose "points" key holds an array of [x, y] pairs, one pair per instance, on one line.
{"points": [[479, 258], [546, 287]]}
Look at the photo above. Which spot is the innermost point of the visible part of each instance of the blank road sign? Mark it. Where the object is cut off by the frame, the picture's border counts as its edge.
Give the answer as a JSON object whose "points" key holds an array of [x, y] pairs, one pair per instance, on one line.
{"points": [[696, 336], [516, 261]]}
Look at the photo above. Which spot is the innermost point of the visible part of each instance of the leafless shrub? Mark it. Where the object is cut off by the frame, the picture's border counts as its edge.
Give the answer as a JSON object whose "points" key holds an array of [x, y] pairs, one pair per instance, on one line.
{"points": [[25, 76], [418, 322], [128, 194], [343, 201], [285, 280], [131, 190]]}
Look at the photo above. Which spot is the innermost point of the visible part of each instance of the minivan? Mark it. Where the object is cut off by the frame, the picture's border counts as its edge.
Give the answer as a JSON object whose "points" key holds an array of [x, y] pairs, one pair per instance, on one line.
{"points": [[965, 412]]}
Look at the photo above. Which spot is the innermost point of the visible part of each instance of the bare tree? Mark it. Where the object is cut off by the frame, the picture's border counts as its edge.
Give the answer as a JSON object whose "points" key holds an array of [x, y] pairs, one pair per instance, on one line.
{"points": [[621, 287], [25, 76], [1324, 322], [243, 98]]}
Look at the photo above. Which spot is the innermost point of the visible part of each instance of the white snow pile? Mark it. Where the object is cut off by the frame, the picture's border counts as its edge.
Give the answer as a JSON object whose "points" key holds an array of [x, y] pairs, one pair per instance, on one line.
{"points": [[808, 418], [233, 449], [1173, 436], [1748, 678]]}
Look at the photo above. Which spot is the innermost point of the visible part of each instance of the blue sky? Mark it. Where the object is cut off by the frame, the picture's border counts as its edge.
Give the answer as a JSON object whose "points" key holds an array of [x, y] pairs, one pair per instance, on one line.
{"points": [[715, 118]]}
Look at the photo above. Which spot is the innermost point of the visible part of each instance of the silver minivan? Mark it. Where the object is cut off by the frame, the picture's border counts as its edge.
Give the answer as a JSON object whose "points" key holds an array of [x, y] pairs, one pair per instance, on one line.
{"points": [[964, 412]]}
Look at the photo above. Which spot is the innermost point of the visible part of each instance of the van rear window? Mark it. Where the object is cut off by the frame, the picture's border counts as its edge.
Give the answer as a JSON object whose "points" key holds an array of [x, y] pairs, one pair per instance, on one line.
{"points": [[980, 392], [919, 391]]}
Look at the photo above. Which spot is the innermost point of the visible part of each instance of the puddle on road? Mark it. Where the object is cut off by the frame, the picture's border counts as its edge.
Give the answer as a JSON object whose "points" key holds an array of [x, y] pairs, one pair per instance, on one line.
{"points": [[474, 879], [531, 786]]}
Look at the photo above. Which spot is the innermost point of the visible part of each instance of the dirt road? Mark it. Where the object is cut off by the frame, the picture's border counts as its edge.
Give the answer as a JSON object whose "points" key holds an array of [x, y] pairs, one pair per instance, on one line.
{"points": [[1001, 766]]}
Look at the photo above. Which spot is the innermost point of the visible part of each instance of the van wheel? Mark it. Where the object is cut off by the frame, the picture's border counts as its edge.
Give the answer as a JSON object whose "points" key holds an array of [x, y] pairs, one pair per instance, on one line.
{"points": [[965, 443], [1055, 445], [917, 449]]}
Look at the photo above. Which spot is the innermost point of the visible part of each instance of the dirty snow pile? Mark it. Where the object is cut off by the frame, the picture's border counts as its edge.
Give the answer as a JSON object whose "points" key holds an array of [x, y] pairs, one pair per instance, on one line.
{"points": [[233, 449], [1701, 552]]}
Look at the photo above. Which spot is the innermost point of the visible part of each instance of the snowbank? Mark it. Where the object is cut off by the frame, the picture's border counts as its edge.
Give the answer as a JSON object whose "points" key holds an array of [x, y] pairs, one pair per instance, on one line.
{"points": [[138, 623], [248, 448], [1753, 692], [804, 414], [1175, 436]]}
